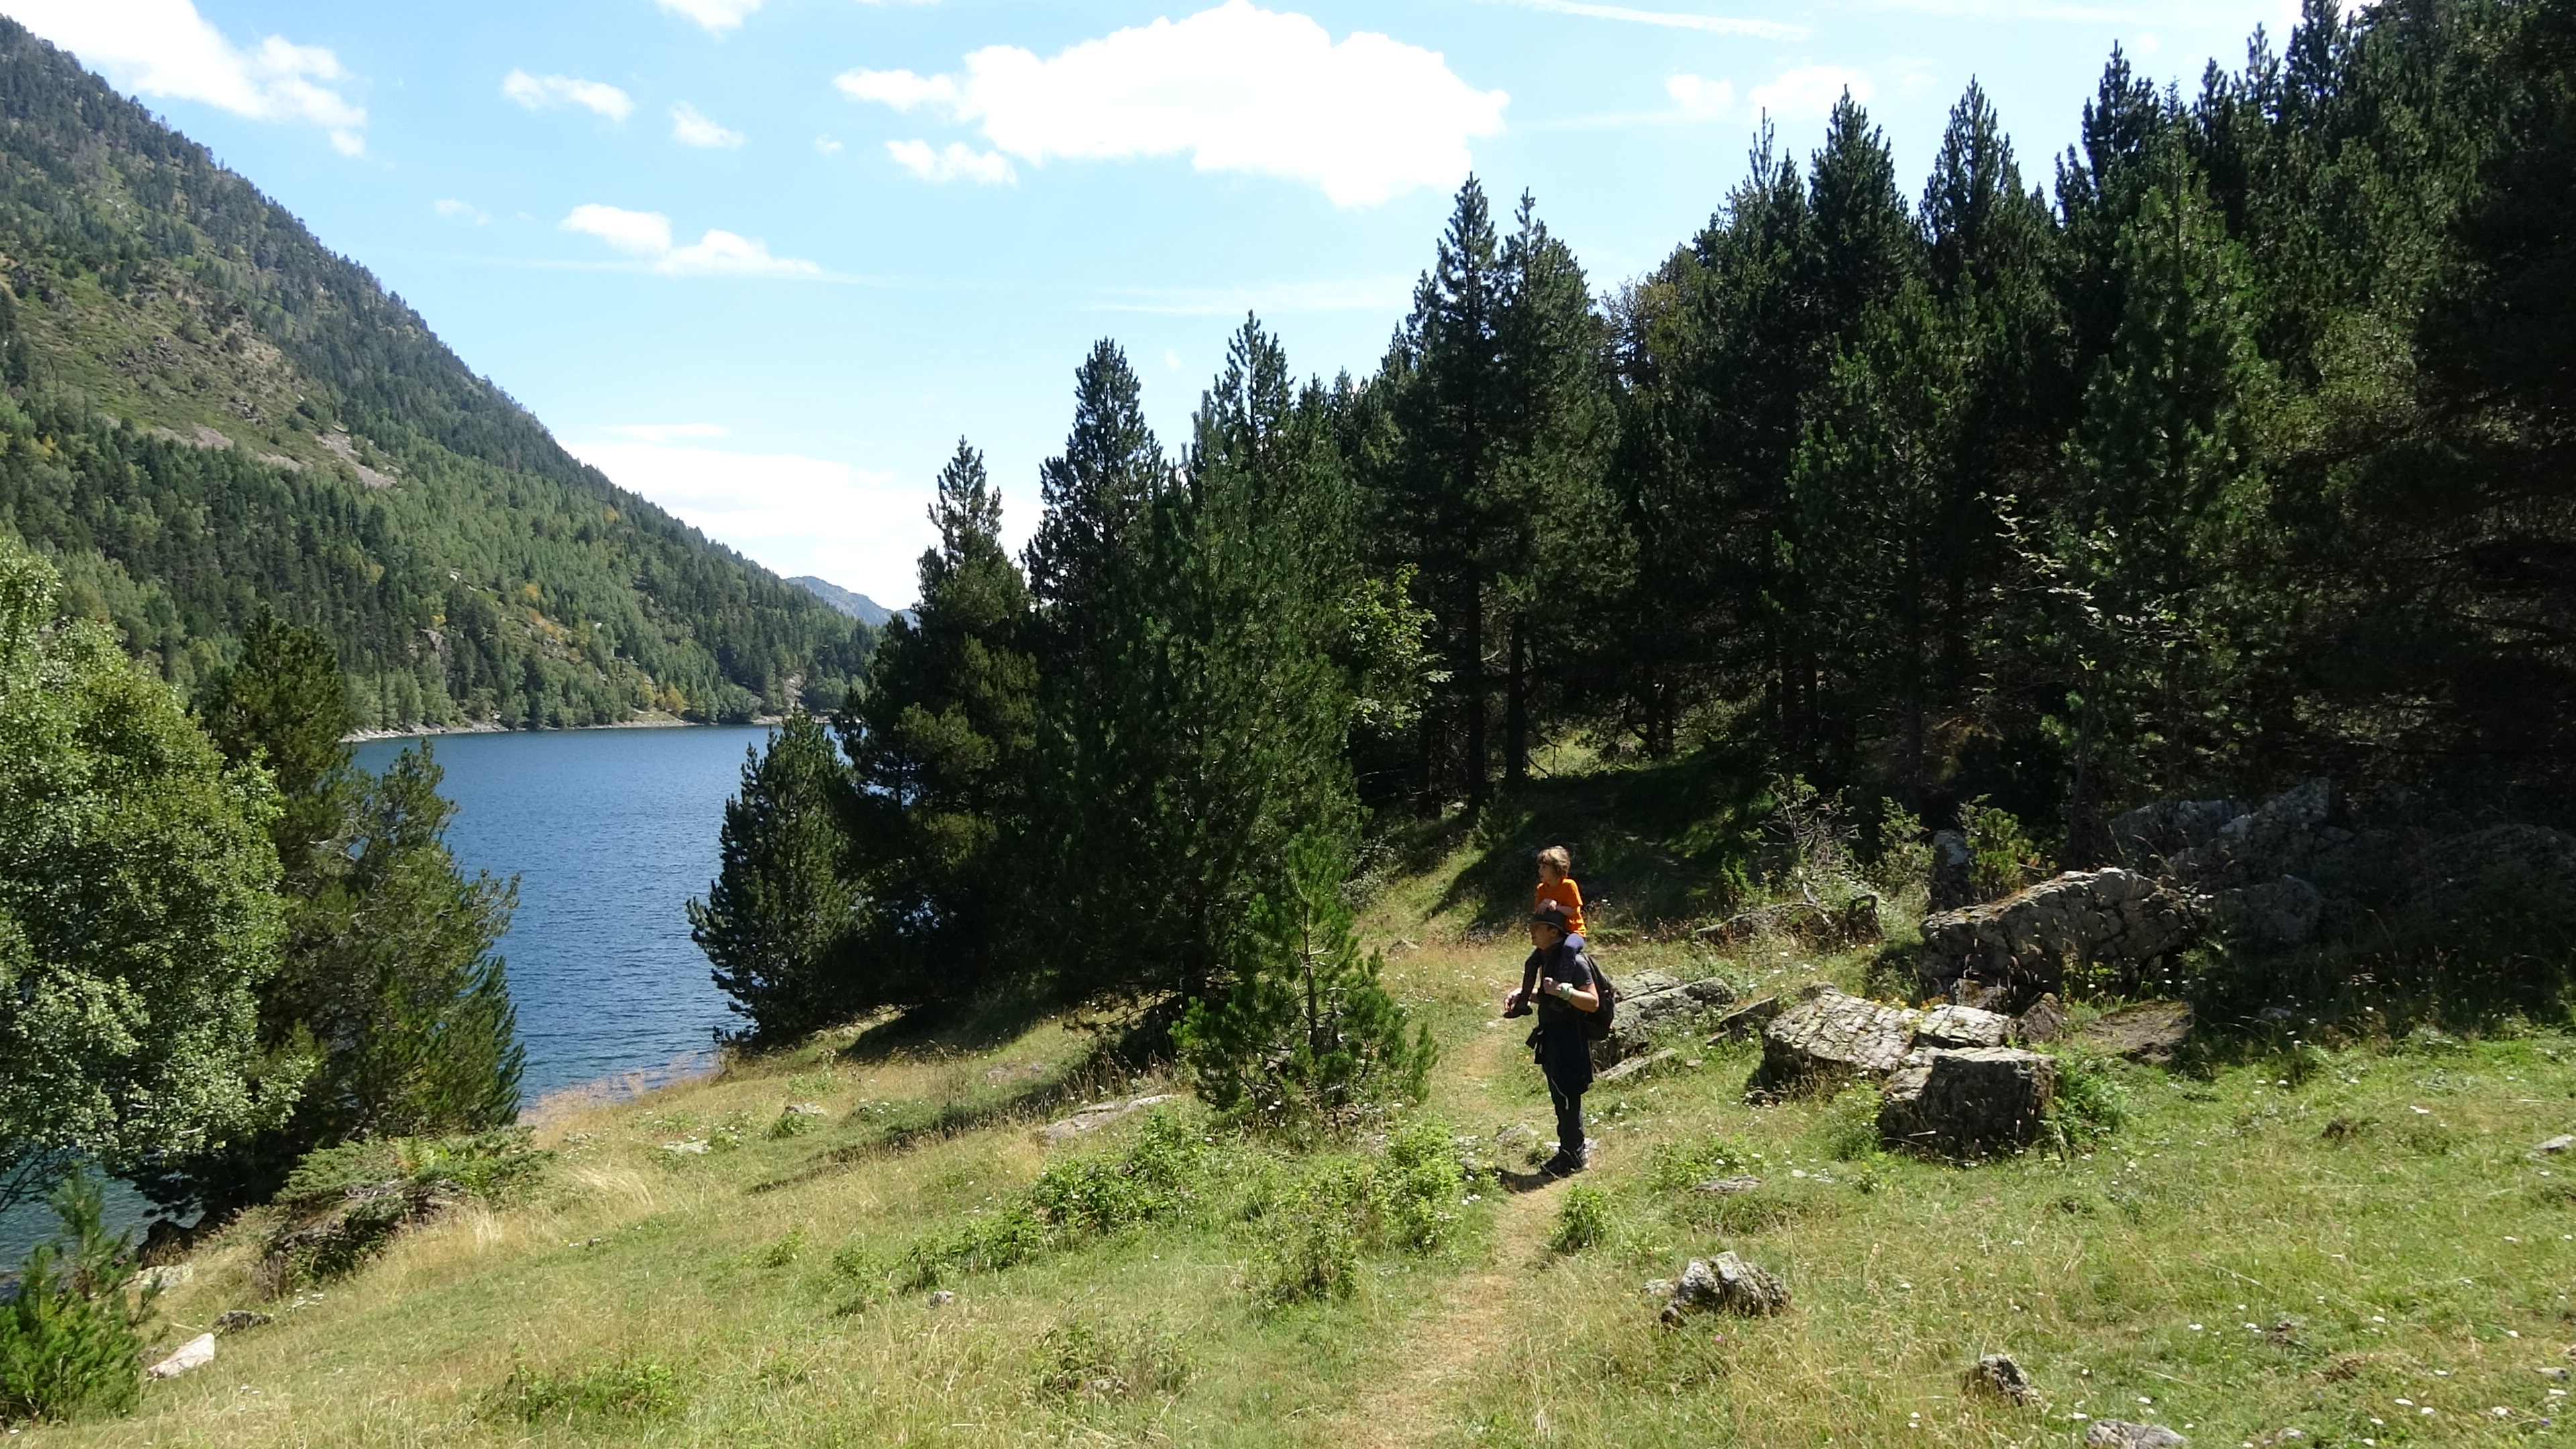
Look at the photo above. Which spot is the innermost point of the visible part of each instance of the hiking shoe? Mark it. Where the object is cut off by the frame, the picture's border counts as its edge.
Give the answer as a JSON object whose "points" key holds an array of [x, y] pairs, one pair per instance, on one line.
{"points": [[1567, 1165]]}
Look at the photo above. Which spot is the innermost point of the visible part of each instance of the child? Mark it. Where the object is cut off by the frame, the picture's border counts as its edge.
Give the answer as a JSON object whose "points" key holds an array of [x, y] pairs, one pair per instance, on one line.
{"points": [[1556, 884]]}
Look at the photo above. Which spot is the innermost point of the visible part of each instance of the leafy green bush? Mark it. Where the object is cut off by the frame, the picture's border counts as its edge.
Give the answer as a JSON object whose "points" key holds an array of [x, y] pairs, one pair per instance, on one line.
{"points": [[69, 1340], [1319, 1233], [1164, 1176], [2091, 1103], [635, 1389], [1582, 1220], [1424, 1184]]}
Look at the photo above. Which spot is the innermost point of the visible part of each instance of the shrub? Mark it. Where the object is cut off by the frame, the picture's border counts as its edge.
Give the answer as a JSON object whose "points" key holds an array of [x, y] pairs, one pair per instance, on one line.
{"points": [[1424, 1184], [1320, 1232], [344, 1204], [69, 1345], [1164, 1176], [636, 1389], [2091, 1103], [1582, 1220], [1077, 1360]]}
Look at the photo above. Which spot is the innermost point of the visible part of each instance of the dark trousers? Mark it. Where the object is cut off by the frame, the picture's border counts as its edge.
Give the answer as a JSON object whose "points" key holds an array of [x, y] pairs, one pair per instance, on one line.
{"points": [[1569, 1114]]}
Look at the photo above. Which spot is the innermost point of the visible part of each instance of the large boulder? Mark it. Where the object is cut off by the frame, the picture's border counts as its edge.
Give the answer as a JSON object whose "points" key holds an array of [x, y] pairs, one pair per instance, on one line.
{"points": [[1963, 1026], [1830, 1038], [2005, 954], [1651, 1006], [2275, 913], [2147, 837], [2298, 832], [1967, 1103]]}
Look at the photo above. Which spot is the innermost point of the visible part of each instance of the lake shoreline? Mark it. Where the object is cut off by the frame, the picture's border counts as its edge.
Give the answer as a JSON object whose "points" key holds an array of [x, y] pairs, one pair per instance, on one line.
{"points": [[487, 727]]}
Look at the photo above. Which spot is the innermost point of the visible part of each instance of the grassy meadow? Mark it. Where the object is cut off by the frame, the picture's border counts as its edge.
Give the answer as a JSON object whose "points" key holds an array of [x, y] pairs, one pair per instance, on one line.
{"points": [[2352, 1239]]}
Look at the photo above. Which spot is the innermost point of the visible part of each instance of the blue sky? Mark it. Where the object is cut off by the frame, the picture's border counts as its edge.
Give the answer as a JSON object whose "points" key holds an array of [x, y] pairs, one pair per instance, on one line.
{"points": [[765, 261]]}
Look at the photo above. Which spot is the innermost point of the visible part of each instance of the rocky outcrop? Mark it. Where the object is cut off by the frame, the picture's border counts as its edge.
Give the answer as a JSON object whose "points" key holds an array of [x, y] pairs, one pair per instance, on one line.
{"points": [[1830, 1038], [1725, 1284], [2149, 836], [2151, 1031], [2282, 912], [1999, 1375], [196, 1353], [1093, 1118], [2005, 954], [1745, 1020], [1652, 1005], [1963, 1026], [1967, 1103]]}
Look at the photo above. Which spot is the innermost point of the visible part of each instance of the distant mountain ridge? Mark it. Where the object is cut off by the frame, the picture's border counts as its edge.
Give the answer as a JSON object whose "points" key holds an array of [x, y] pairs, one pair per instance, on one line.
{"points": [[210, 414], [858, 606]]}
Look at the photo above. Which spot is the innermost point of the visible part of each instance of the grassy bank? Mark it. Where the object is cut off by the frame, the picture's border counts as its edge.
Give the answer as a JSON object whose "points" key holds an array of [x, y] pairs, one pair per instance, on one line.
{"points": [[2328, 1240]]}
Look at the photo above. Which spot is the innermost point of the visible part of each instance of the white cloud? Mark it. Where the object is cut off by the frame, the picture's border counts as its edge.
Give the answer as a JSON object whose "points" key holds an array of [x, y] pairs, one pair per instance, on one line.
{"points": [[958, 162], [796, 514], [455, 210], [638, 233], [718, 16], [647, 235], [665, 432], [165, 48], [546, 92], [827, 145], [1237, 87], [1700, 98], [1675, 19], [1809, 90], [690, 127]]}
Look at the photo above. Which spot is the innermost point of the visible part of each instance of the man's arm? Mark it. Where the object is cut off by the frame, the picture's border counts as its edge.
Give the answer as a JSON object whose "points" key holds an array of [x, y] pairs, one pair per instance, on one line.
{"points": [[1581, 998]]}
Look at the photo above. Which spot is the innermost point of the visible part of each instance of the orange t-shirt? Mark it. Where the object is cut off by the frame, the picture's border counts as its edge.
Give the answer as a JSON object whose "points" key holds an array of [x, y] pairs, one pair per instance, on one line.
{"points": [[1567, 894]]}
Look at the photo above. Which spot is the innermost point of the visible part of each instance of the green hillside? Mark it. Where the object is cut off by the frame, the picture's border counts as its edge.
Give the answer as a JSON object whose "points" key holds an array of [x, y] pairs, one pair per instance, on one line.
{"points": [[209, 413]]}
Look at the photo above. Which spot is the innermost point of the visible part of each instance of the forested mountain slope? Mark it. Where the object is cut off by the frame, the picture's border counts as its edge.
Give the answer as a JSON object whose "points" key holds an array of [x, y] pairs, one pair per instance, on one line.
{"points": [[209, 414]]}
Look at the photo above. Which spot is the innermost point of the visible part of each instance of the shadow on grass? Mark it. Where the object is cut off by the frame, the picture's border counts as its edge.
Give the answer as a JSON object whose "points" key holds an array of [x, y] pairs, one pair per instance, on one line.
{"points": [[1653, 845]]}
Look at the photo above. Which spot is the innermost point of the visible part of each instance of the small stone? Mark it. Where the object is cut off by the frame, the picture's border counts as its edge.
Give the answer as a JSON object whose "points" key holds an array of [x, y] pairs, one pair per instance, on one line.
{"points": [[2552, 1371], [805, 1109], [2120, 1434], [239, 1320], [1999, 1375], [1726, 1186], [195, 1353], [1636, 1066], [1725, 1284], [941, 1298], [166, 1277], [1093, 1118], [2556, 1145], [693, 1147]]}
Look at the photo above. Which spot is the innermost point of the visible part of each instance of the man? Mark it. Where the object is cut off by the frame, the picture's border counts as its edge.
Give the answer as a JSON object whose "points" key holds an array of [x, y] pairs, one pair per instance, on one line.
{"points": [[1559, 978]]}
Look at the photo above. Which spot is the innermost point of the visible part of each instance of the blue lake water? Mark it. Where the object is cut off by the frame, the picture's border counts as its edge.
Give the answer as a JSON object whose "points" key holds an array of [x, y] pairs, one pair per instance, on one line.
{"points": [[610, 832]]}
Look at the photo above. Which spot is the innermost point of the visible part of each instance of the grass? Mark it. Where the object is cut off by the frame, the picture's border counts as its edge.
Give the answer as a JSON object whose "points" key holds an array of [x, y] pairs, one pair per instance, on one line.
{"points": [[2289, 1238]]}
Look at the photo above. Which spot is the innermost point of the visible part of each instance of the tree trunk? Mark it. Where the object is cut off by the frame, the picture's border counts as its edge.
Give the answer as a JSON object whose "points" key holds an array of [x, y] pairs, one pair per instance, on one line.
{"points": [[1471, 689], [1516, 707]]}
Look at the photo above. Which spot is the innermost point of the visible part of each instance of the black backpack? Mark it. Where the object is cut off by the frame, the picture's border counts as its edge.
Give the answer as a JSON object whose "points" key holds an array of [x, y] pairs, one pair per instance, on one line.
{"points": [[1596, 1024]]}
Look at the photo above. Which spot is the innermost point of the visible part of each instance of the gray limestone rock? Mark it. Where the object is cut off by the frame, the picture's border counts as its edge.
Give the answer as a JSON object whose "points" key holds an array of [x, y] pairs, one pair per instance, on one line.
{"points": [[2273, 913], [2556, 1145], [2046, 1020], [2150, 1032], [196, 1353], [1745, 1020], [1635, 1067], [1829, 1038], [2120, 1434], [240, 1320], [1644, 1014], [2008, 952], [1093, 1118], [1726, 1186], [1967, 1103], [1962, 1026], [2147, 837], [1999, 1375], [1725, 1284], [2293, 833], [1953, 867]]}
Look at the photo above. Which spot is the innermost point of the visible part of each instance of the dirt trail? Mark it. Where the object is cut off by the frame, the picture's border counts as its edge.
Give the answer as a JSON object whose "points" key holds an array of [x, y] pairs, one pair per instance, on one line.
{"points": [[1466, 1338]]}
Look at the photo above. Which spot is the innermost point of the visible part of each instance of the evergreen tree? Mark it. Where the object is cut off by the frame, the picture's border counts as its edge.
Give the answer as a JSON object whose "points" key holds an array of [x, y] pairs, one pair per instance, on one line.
{"points": [[778, 918], [939, 743], [283, 706]]}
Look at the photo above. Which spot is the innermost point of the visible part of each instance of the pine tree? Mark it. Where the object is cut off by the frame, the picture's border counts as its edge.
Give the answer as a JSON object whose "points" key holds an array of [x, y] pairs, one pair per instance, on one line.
{"points": [[284, 705], [777, 920], [939, 741]]}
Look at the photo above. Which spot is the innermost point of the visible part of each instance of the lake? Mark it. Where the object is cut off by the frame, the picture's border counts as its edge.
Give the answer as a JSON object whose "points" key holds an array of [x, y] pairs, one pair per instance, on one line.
{"points": [[610, 832]]}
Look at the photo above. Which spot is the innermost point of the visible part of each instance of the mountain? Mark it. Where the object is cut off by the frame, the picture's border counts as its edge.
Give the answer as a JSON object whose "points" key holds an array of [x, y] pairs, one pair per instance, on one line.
{"points": [[209, 414], [858, 606]]}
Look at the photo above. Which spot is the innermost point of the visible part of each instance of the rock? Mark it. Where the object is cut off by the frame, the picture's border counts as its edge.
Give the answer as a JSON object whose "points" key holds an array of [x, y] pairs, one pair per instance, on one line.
{"points": [[940, 1298], [1635, 1067], [2275, 913], [240, 1320], [2555, 1145], [1810, 923], [195, 1353], [2147, 837], [2285, 836], [1968, 1102], [2523, 858], [1645, 1014], [1726, 1186], [1953, 872], [1962, 1026], [1745, 1020], [1998, 1375], [2120, 1434], [2552, 1371], [2045, 1021], [1829, 1038], [1093, 1118], [2150, 1032], [1726, 1284], [165, 1277], [693, 1147], [815, 1109], [2009, 952]]}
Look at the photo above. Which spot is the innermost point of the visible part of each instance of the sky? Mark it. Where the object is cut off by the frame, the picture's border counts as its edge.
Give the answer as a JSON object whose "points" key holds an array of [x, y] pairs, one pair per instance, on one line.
{"points": [[765, 262]]}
